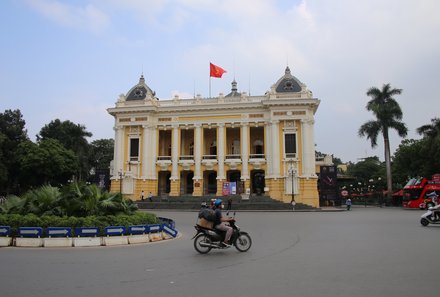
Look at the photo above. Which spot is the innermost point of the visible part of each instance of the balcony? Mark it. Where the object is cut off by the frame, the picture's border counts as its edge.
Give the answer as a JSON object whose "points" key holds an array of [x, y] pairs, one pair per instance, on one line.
{"points": [[291, 156], [257, 160], [233, 161], [209, 161], [164, 162], [186, 161]]}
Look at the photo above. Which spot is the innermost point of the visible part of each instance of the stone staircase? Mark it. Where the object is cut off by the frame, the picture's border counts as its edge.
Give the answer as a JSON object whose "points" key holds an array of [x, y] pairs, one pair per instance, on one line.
{"points": [[255, 202]]}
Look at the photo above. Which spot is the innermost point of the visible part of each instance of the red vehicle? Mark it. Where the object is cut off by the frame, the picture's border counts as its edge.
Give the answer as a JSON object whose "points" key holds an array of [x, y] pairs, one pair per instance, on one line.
{"points": [[419, 192]]}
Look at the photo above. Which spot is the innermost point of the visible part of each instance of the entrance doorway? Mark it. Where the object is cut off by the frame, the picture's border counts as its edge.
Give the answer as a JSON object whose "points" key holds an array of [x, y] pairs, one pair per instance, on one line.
{"points": [[257, 182], [210, 182], [186, 183], [164, 184]]}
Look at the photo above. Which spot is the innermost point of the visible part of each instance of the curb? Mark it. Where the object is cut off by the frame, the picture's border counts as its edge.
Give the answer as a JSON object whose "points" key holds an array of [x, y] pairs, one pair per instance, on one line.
{"points": [[85, 241]]}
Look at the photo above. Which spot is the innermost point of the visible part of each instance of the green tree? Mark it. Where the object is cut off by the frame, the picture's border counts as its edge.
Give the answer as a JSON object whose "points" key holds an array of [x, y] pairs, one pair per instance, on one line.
{"points": [[45, 162], [368, 168], [431, 137], [430, 130], [388, 116], [101, 153], [410, 160], [72, 137], [12, 133]]}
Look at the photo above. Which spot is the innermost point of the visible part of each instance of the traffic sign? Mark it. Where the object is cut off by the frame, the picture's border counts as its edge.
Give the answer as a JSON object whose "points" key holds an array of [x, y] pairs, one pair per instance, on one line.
{"points": [[153, 228], [139, 229], [87, 231], [5, 230], [30, 231], [115, 230], [169, 230], [59, 231]]}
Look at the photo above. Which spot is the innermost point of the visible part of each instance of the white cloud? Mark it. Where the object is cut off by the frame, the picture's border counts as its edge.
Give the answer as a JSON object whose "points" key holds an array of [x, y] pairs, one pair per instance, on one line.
{"points": [[88, 17]]}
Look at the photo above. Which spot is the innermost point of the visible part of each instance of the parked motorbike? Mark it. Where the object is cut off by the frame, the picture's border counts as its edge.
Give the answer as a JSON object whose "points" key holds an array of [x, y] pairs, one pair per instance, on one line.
{"points": [[206, 239], [431, 216]]}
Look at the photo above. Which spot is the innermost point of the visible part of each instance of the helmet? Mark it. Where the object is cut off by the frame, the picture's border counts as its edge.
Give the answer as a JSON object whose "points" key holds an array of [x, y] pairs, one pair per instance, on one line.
{"points": [[218, 202]]}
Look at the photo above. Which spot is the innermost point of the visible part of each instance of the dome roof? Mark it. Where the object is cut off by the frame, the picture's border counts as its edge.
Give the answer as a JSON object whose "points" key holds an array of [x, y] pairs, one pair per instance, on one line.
{"points": [[234, 90], [140, 91], [288, 83]]}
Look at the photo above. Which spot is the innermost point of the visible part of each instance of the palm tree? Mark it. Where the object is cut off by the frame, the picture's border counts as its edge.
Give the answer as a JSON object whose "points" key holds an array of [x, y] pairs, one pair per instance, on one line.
{"points": [[431, 140], [430, 131], [388, 116]]}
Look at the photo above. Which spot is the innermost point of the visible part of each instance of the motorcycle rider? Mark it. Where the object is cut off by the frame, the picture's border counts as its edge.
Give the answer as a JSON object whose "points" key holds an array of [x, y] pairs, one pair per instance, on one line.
{"points": [[220, 222], [436, 209]]}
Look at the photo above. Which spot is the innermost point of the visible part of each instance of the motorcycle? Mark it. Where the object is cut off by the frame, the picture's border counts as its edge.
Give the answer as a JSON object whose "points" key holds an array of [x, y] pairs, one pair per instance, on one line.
{"points": [[206, 239], [431, 216]]}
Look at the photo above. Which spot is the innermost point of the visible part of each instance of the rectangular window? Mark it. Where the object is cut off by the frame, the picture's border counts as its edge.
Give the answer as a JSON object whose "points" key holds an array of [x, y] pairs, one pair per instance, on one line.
{"points": [[134, 149], [290, 145]]}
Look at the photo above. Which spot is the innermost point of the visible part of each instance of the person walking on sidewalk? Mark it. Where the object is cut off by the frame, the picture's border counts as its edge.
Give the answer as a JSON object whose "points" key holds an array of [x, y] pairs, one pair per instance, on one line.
{"points": [[348, 203], [142, 195], [293, 202]]}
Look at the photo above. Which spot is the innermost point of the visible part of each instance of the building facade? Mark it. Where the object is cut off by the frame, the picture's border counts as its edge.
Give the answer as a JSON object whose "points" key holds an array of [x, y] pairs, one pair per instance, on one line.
{"points": [[259, 144]]}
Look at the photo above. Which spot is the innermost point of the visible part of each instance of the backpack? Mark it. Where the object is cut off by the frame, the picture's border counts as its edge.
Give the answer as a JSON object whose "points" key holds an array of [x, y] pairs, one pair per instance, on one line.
{"points": [[208, 214]]}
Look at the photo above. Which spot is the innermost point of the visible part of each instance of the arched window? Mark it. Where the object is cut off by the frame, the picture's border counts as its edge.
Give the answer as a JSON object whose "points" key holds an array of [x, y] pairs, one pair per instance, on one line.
{"points": [[213, 148], [258, 147], [236, 147]]}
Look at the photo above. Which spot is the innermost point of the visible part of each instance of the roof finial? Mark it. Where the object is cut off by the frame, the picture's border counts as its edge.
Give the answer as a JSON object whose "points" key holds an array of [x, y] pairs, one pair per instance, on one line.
{"points": [[234, 86]]}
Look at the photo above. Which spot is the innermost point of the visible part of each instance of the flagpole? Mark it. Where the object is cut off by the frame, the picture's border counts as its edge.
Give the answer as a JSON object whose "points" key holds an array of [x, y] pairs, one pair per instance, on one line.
{"points": [[209, 86]]}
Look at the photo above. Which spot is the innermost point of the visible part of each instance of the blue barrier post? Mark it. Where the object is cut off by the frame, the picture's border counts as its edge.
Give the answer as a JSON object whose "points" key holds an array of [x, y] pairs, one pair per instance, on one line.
{"points": [[138, 229], [115, 230], [30, 231], [5, 231], [86, 231]]}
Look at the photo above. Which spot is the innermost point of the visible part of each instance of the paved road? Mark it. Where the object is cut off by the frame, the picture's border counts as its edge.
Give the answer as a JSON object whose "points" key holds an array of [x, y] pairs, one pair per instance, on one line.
{"points": [[364, 252]]}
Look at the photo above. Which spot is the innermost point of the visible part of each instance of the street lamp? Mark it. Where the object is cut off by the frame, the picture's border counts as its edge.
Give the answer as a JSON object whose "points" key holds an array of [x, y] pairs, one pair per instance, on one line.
{"points": [[120, 181], [292, 172]]}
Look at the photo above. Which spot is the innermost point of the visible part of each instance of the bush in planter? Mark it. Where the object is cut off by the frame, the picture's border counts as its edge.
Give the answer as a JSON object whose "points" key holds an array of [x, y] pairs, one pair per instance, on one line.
{"points": [[76, 199], [15, 221]]}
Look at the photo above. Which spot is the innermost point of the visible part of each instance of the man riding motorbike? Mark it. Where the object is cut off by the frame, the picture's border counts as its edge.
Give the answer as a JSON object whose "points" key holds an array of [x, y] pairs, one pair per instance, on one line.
{"points": [[220, 222]]}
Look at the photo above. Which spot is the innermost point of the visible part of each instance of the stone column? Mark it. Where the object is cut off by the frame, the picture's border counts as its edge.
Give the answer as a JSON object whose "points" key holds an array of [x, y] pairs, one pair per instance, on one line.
{"points": [[308, 165], [145, 172], [275, 149], [198, 179], [118, 151], [268, 149], [175, 178], [152, 155], [175, 152], [221, 151], [198, 152], [245, 151]]}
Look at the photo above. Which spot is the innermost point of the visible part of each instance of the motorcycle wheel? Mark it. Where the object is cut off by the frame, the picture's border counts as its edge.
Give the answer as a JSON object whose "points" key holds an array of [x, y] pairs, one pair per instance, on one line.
{"points": [[199, 239], [243, 242], [424, 222]]}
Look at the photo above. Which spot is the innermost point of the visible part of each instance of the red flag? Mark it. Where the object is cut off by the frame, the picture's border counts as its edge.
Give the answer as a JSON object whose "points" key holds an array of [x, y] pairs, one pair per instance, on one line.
{"points": [[215, 71]]}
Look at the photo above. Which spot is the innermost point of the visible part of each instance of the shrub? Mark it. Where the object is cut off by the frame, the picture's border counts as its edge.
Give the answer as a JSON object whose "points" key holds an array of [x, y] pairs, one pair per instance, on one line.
{"points": [[30, 220]]}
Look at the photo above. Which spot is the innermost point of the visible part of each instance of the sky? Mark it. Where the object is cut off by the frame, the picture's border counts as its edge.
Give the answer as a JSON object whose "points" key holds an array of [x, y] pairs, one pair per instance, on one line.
{"points": [[70, 60]]}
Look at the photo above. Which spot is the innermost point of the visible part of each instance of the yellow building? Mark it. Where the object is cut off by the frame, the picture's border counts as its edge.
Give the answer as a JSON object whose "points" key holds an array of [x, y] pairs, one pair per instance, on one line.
{"points": [[179, 147]]}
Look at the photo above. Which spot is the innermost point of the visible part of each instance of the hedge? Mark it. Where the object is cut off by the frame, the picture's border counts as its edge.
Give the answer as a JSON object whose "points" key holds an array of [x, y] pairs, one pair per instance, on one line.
{"points": [[30, 220]]}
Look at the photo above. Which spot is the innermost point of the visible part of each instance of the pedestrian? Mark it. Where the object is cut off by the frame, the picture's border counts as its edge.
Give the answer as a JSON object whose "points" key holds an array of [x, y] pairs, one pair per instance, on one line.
{"points": [[348, 203], [293, 204], [229, 207], [150, 197], [142, 195]]}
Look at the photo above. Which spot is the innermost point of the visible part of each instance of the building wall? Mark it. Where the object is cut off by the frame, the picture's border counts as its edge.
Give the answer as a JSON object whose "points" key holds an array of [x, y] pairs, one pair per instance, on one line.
{"points": [[274, 113]]}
